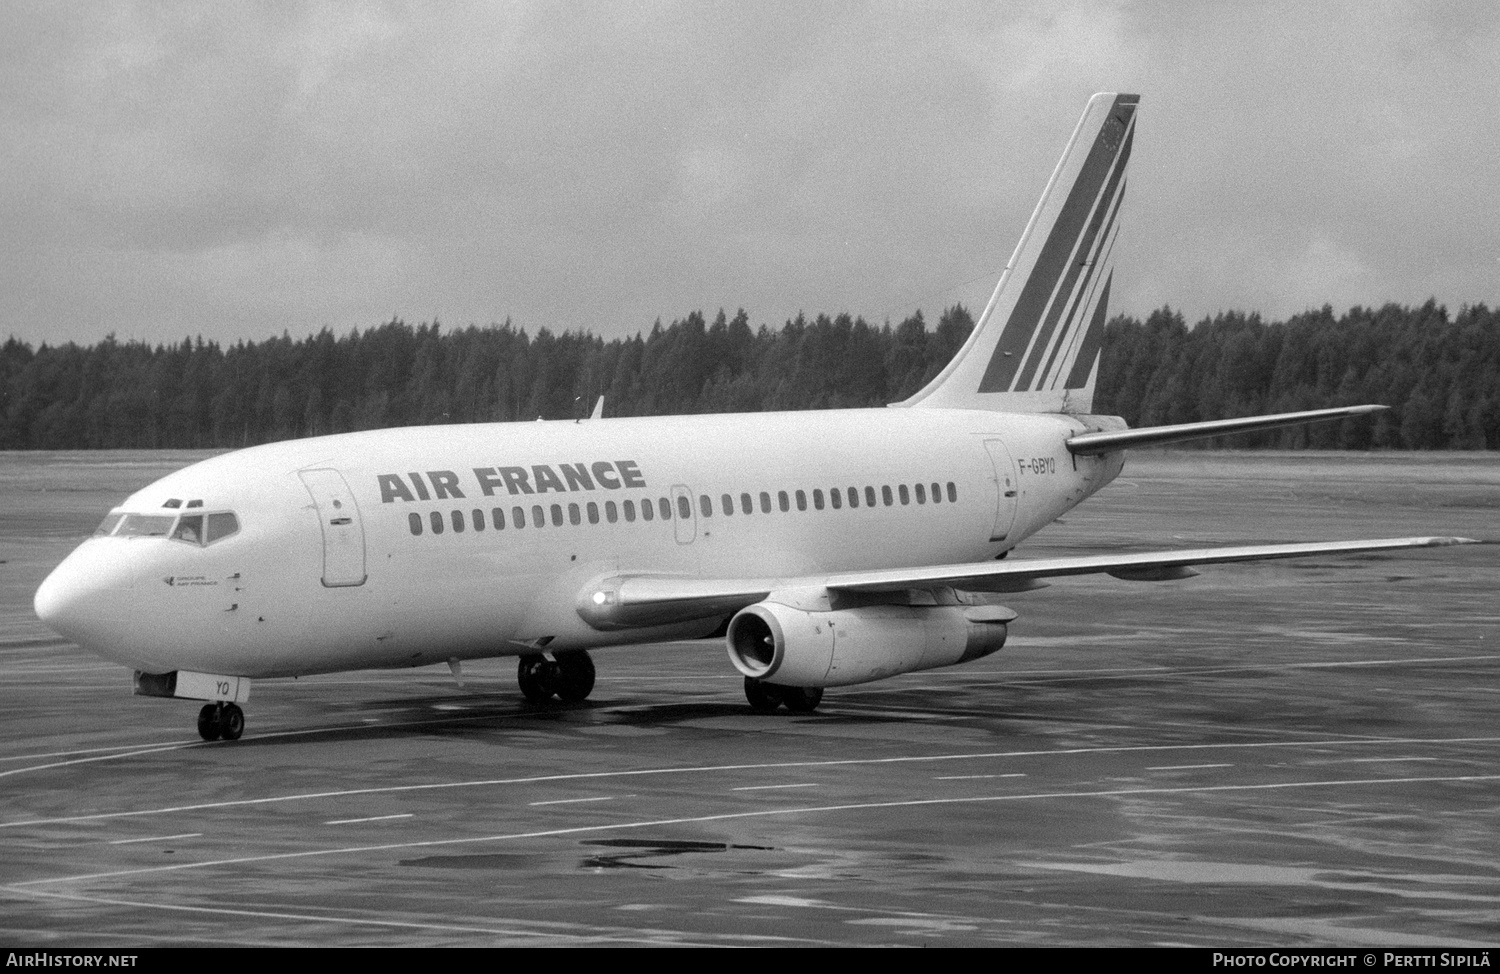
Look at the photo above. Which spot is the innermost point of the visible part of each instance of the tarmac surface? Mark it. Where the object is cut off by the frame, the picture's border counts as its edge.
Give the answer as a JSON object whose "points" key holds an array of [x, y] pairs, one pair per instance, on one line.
{"points": [[1285, 754]]}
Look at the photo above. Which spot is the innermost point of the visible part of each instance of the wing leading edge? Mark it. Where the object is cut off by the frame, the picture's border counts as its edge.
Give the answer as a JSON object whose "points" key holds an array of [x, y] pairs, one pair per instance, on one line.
{"points": [[633, 601]]}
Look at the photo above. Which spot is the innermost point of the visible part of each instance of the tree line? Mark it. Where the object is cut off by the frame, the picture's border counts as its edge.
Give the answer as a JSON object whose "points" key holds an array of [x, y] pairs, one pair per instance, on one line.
{"points": [[1441, 375]]}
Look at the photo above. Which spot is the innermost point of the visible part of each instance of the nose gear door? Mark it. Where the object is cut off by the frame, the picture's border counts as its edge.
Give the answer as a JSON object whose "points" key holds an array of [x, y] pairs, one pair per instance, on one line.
{"points": [[343, 532]]}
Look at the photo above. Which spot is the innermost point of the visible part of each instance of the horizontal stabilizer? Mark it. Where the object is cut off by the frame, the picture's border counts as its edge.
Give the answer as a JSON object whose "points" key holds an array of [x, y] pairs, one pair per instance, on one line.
{"points": [[1090, 444]]}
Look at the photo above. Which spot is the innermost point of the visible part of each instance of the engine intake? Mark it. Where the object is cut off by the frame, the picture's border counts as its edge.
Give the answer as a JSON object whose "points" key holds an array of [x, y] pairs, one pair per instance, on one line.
{"points": [[794, 647]]}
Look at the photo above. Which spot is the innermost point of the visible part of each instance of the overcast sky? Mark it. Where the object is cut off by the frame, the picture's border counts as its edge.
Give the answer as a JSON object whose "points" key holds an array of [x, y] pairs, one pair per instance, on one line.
{"points": [[235, 169]]}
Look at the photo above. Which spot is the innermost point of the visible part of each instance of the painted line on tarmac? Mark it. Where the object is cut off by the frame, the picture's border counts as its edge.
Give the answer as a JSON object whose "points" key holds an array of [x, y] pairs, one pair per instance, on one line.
{"points": [[157, 838], [522, 930], [1193, 767], [369, 818], [572, 801], [716, 768], [23, 887], [805, 784]]}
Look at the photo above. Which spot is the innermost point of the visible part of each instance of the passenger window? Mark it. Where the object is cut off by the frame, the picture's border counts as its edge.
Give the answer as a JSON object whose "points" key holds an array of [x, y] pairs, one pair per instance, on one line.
{"points": [[885, 495], [705, 505], [518, 517], [952, 492], [611, 511], [685, 507], [782, 501], [436, 517], [727, 503], [765, 503], [869, 496], [497, 517], [630, 511], [557, 515], [593, 512], [817, 499], [458, 522], [538, 516], [666, 509], [835, 495], [414, 521], [478, 519], [853, 496], [647, 511], [189, 529], [937, 494], [905, 494], [921, 494], [746, 507], [110, 522], [575, 516]]}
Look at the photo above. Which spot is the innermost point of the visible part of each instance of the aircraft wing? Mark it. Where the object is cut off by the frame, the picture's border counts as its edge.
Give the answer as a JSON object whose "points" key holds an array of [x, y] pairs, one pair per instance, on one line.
{"points": [[632, 601]]}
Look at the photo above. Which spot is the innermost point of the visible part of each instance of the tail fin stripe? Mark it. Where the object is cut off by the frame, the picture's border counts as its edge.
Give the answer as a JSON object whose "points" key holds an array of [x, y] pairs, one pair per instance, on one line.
{"points": [[1103, 207], [1083, 365], [1088, 317], [1104, 158], [1094, 257]]}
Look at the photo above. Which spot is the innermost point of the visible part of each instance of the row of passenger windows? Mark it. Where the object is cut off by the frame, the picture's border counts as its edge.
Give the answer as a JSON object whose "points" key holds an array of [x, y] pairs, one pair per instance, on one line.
{"points": [[649, 510]]}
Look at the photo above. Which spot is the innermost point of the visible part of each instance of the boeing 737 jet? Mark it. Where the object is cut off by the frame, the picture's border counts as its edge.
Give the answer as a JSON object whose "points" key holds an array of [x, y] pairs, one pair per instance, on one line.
{"points": [[831, 548]]}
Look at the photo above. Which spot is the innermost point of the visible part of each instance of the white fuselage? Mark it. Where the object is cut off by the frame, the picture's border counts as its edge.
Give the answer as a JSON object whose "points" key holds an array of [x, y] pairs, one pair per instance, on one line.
{"points": [[336, 562]]}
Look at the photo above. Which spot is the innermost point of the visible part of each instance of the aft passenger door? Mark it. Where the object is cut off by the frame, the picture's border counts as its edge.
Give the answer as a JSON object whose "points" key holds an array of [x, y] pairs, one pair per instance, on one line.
{"points": [[343, 534], [1005, 488]]}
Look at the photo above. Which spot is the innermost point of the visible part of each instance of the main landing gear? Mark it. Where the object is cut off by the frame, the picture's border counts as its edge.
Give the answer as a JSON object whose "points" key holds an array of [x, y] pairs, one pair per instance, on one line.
{"points": [[568, 676], [218, 720], [766, 697]]}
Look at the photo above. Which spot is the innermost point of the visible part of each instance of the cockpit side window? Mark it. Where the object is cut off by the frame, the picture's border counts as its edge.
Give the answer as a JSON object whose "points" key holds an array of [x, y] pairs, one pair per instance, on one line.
{"points": [[189, 528], [107, 526], [221, 526]]}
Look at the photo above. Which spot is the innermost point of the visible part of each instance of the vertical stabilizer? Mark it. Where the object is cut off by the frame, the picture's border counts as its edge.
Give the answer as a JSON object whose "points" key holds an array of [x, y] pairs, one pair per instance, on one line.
{"points": [[1036, 347]]}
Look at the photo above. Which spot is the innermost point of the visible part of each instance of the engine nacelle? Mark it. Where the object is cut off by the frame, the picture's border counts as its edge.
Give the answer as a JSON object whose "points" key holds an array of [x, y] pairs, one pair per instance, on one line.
{"points": [[794, 647]]}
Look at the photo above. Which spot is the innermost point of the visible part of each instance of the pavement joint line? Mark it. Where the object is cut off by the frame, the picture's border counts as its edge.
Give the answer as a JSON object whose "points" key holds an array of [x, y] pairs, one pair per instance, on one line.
{"points": [[708, 769], [24, 887]]}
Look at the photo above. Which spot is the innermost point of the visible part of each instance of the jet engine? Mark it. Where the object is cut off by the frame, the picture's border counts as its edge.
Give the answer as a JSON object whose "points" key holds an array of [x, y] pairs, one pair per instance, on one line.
{"points": [[788, 646]]}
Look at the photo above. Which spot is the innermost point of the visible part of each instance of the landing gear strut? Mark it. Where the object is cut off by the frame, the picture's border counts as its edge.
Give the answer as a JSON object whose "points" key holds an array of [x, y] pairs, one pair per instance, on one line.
{"points": [[766, 697], [569, 677], [218, 720]]}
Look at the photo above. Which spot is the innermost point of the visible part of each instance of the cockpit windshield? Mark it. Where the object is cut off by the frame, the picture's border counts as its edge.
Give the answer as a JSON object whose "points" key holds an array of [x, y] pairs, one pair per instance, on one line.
{"points": [[196, 528], [145, 526]]}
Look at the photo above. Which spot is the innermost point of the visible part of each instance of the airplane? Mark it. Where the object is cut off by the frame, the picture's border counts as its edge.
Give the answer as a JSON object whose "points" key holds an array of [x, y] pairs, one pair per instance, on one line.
{"points": [[829, 548]]}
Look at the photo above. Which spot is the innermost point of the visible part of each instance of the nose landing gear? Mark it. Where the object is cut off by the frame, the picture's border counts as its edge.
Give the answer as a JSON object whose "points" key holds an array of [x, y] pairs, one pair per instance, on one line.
{"points": [[218, 720]]}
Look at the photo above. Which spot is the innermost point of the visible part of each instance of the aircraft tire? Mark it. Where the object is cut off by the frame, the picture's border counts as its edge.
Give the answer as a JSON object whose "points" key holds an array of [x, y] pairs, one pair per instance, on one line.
{"points": [[231, 722], [208, 722], [802, 700], [537, 677], [763, 697], [574, 676]]}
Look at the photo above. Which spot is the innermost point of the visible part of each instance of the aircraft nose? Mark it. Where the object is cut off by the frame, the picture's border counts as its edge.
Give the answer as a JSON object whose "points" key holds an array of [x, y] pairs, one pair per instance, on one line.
{"points": [[83, 596]]}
